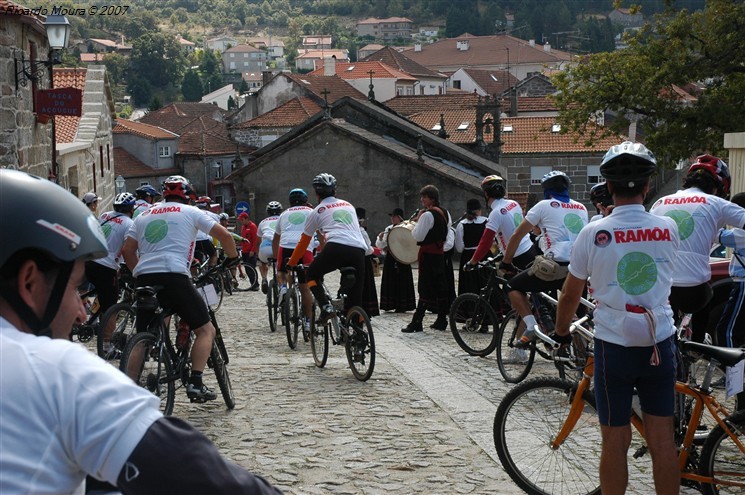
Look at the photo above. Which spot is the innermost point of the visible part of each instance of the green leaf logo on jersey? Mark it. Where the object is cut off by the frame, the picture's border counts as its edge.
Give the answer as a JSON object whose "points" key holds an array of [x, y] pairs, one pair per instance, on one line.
{"points": [[156, 231], [573, 223], [636, 273], [685, 222], [106, 230], [273, 225], [343, 216], [517, 218], [296, 218]]}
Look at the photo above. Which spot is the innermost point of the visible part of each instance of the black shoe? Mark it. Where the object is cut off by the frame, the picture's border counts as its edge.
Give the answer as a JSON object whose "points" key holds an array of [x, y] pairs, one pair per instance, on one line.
{"points": [[439, 324], [254, 288], [327, 312], [264, 286], [197, 393], [413, 327]]}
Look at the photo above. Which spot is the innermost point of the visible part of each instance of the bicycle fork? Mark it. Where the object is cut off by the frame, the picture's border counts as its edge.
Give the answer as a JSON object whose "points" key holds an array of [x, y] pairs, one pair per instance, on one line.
{"points": [[575, 411]]}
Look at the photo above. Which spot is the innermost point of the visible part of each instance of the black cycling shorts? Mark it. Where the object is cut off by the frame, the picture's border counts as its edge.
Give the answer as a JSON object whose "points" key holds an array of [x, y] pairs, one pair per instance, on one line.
{"points": [[178, 295]]}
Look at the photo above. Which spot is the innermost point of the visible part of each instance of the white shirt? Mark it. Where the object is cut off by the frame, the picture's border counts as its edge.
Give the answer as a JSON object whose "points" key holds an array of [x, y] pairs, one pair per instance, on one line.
{"points": [[505, 216], [265, 230], [382, 242], [115, 226], [166, 235], [338, 221], [141, 206], [425, 223], [64, 413], [369, 249], [290, 226], [559, 223], [459, 244], [202, 236], [631, 256], [699, 217]]}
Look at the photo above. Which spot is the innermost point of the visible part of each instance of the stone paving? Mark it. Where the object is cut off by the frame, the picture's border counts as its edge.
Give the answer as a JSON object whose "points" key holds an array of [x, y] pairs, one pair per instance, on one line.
{"points": [[421, 424]]}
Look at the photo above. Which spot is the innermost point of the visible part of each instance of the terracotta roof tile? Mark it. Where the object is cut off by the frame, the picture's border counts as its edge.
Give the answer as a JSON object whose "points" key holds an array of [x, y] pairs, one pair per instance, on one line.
{"points": [[375, 20], [292, 113], [409, 105], [91, 57], [535, 104], [338, 88], [361, 70], [492, 81], [321, 54], [66, 126], [176, 116], [14, 8], [393, 58], [128, 165], [124, 126], [205, 136], [242, 48]]}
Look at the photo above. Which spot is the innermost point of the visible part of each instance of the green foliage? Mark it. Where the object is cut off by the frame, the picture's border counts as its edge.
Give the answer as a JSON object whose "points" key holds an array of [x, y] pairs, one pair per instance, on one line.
{"points": [[243, 88], [116, 67], [155, 104], [191, 86], [231, 103], [140, 89], [158, 58], [680, 50]]}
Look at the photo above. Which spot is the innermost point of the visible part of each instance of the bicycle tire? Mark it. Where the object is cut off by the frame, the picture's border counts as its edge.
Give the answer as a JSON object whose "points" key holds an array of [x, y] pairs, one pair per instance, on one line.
{"points": [[360, 345], [528, 418], [124, 329], [474, 324], [319, 340], [272, 296], [291, 316], [149, 365], [248, 280], [722, 459], [514, 364], [218, 365]]}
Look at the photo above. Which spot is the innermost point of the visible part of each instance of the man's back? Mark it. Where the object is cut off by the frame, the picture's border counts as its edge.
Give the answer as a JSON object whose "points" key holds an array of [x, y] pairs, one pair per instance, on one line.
{"points": [[560, 222]]}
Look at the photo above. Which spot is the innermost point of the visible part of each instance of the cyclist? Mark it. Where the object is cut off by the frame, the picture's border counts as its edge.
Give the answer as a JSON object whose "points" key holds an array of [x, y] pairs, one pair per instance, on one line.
{"points": [[66, 413], [91, 199], [560, 219], [165, 237], [205, 248], [700, 209], [731, 326], [103, 272], [287, 234], [265, 232], [344, 244], [601, 198], [629, 257], [146, 196]]}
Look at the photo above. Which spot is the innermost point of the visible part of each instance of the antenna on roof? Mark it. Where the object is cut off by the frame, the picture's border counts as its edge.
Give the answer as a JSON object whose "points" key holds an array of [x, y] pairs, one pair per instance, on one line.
{"points": [[371, 93], [326, 108]]}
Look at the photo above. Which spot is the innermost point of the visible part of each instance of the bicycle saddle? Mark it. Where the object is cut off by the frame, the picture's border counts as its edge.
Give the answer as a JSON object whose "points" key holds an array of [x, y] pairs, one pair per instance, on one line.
{"points": [[725, 355]]}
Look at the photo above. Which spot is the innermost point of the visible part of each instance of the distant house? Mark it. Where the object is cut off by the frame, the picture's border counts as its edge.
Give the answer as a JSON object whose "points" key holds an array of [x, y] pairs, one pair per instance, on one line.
{"points": [[387, 82], [221, 43], [244, 58], [91, 58], [186, 45], [144, 154], [220, 96], [368, 50], [274, 46], [482, 82], [316, 42], [254, 80], [313, 59], [385, 29], [625, 18], [428, 31], [271, 125], [104, 45], [429, 82]]}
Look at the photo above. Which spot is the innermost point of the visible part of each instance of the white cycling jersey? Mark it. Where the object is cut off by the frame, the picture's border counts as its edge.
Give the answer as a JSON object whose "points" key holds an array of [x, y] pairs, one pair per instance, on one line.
{"points": [[141, 206], [166, 235], [699, 217], [338, 221], [290, 226], [201, 236], [115, 226], [265, 232], [504, 218], [560, 223]]}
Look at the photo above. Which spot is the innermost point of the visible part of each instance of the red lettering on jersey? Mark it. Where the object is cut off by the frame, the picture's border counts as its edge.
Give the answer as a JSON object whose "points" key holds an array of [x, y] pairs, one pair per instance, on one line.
{"points": [[165, 209], [116, 219], [641, 235], [510, 206], [337, 205], [572, 206], [685, 201]]}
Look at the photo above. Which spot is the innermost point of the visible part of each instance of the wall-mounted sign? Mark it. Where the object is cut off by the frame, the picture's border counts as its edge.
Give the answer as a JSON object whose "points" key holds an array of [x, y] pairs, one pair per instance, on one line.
{"points": [[59, 101]]}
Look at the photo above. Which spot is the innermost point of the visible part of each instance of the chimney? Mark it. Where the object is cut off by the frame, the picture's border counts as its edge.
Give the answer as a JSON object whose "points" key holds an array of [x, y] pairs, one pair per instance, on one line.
{"points": [[531, 42], [513, 101], [266, 76], [547, 48], [462, 45], [417, 47], [632, 131], [329, 66]]}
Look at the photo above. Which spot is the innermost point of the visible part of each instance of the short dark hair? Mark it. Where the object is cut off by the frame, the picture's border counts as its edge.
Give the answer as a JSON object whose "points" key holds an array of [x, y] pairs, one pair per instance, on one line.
{"points": [[431, 192], [739, 199], [623, 190], [702, 180]]}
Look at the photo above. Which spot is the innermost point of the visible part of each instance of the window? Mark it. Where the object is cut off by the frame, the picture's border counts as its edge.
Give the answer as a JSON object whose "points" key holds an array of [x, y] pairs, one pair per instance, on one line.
{"points": [[508, 128], [219, 200], [456, 84], [463, 126], [537, 173], [556, 128], [436, 127], [593, 174], [164, 151]]}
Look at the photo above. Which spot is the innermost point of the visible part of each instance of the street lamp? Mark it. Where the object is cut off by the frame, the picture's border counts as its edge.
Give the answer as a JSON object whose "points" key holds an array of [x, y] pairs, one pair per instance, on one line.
{"points": [[121, 184], [58, 35]]}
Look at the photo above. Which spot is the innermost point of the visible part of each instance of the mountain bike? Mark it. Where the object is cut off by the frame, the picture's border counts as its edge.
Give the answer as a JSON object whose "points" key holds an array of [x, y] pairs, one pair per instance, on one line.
{"points": [[272, 298], [292, 310], [351, 328]]}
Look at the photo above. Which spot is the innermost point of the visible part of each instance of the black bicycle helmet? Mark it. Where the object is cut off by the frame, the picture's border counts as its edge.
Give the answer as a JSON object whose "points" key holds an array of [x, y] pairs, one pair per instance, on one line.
{"points": [[555, 179], [146, 191], [493, 186], [600, 194], [324, 184], [273, 208], [55, 223], [298, 197], [628, 163]]}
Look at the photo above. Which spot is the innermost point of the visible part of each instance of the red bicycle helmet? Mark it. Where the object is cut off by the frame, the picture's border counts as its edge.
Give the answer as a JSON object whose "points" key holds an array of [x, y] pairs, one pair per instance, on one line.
{"points": [[717, 168], [179, 187]]}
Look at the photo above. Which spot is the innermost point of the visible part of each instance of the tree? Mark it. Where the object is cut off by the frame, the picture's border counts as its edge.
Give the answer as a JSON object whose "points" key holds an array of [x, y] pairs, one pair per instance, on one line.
{"points": [[116, 66], [678, 50], [231, 103], [140, 89], [191, 86], [158, 58], [155, 104], [243, 88]]}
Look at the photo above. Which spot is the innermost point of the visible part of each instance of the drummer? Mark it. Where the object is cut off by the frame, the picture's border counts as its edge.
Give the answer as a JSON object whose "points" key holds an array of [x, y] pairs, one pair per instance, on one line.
{"points": [[431, 232], [397, 284]]}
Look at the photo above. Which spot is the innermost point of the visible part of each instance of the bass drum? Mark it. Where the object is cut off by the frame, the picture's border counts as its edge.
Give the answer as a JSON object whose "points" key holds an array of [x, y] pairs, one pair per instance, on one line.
{"points": [[401, 243]]}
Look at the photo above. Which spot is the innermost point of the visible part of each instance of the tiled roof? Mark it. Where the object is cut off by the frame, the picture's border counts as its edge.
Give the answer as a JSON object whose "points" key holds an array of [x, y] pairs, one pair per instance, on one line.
{"points": [[528, 135], [324, 39], [337, 87], [205, 136], [321, 54], [128, 166], [371, 46], [399, 61], [66, 126], [124, 126], [176, 116], [409, 105], [184, 41], [484, 50], [91, 57], [292, 113], [534, 104], [361, 70], [242, 48], [492, 81], [13, 9], [375, 20]]}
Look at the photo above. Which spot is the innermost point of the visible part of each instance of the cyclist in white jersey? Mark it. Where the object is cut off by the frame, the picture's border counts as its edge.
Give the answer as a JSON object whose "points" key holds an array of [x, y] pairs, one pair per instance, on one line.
{"points": [[603, 201], [629, 258], [265, 232], [165, 237], [700, 209], [103, 273], [205, 247], [344, 244], [287, 234], [560, 220], [146, 195], [64, 412]]}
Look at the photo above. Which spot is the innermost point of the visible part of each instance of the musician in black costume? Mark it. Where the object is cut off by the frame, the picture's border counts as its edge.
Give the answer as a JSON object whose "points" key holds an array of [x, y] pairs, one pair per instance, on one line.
{"points": [[397, 284], [467, 236]]}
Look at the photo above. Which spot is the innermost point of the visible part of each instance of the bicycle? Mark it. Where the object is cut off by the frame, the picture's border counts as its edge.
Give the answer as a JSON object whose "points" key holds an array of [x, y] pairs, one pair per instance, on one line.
{"points": [[353, 329], [292, 310], [547, 435], [272, 298], [473, 319], [246, 277], [158, 364]]}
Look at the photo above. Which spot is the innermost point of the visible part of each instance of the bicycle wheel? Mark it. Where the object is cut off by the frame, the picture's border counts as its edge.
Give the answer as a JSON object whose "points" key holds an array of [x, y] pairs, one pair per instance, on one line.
{"points": [[528, 419], [514, 364], [292, 315], [124, 329], [474, 324], [217, 363], [360, 345], [722, 459], [319, 340], [147, 363], [248, 279]]}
